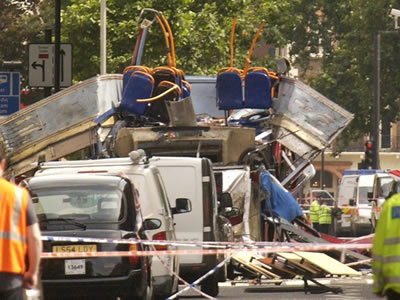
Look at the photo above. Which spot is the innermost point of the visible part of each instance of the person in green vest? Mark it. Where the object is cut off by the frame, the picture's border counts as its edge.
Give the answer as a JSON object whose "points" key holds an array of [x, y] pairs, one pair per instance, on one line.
{"points": [[314, 214], [325, 218], [386, 251]]}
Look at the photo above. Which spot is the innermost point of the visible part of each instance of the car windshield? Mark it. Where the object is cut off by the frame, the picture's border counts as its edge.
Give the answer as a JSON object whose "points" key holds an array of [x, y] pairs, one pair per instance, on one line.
{"points": [[78, 205]]}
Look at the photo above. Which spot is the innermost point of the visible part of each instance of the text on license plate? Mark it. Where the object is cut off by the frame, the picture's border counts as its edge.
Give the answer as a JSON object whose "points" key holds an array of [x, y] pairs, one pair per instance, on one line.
{"points": [[75, 267], [75, 248]]}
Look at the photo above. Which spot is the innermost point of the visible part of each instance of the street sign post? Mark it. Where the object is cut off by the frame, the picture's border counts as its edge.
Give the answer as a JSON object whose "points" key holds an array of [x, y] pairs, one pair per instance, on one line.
{"points": [[42, 61], [9, 93]]}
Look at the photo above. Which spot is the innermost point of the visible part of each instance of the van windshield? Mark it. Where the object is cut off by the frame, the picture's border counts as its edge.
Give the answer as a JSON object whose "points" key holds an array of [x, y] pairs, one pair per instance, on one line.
{"points": [[384, 186], [363, 194], [80, 204]]}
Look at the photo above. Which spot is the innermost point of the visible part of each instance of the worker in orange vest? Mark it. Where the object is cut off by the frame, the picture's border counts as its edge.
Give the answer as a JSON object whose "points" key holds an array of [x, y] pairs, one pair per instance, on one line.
{"points": [[19, 236]]}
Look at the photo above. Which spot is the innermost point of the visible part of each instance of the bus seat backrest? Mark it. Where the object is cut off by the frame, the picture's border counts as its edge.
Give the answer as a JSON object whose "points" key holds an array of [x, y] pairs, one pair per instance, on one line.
{"points": [[139, 86], [257, 90], [229, 90], [157, 109]]}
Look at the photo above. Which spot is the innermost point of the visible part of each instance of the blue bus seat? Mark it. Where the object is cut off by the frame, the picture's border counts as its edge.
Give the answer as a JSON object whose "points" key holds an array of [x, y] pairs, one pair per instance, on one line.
{"points": [[257, 90], [128, 72], [139, 86], [229, 90], [185, 86]]}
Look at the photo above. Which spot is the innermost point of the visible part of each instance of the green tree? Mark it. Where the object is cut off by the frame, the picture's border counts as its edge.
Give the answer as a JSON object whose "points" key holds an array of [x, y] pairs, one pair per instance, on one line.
{"points": [[22, 23], [341, 31], [344, 32], [201, 32]]}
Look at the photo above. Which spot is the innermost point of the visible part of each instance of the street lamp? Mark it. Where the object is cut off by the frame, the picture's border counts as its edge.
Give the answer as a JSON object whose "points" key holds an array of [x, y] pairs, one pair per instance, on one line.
{"points": [[103, 37], [377, 91]]}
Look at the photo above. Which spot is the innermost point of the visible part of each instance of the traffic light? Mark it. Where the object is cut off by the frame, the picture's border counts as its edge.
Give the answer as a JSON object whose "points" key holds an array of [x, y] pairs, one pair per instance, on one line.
{"points": [[369, 155]]}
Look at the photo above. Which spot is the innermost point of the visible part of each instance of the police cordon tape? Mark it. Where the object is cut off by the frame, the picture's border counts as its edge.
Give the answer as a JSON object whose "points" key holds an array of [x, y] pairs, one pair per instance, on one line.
{"points": [[192, 285], [204, 244], [344, 206], [229, 248], [218, 247]]}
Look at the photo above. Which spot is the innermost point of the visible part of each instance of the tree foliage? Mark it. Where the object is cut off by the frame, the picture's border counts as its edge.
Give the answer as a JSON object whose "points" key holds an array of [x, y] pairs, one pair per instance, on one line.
{"points": [[343, 31], [201, 32], [337, 33]]}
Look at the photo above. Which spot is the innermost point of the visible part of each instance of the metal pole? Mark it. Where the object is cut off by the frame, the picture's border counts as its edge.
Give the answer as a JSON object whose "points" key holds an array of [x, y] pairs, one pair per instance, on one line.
{"points": [[57, 47], [47, 37], [322, 171], [376, 106], [103, 38]]}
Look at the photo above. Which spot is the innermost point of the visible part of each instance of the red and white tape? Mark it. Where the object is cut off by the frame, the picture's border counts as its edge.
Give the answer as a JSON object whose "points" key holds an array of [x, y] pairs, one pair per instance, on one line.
{"points": [[284, 248]]}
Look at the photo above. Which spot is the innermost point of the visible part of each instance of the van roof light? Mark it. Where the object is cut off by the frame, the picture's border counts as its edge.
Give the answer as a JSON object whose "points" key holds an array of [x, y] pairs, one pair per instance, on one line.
{"points": [[137, 155]]}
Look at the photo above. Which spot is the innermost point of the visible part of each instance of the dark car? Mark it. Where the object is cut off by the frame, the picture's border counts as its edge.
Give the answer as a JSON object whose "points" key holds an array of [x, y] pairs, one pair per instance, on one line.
{"points": [[97, 207]]}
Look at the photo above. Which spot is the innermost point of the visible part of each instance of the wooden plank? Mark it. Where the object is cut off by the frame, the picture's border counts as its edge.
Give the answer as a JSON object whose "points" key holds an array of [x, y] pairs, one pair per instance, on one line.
{"points": [[306, 237], [300, 262], [245, 260], [327, 263], [285, 270]]}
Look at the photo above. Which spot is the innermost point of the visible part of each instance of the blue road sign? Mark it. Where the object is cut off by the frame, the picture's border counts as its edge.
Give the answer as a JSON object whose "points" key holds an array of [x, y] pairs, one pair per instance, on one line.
{"points": [[9, 93]]}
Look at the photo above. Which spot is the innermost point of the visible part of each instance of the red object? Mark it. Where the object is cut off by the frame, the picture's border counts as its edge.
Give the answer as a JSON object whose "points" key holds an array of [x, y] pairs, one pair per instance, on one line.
{"points": [[160, 236], [367, 239], [133, 259], [43, 55], [277, 152], [368, 144], [332, 239], [236, 219], [395, 172]]}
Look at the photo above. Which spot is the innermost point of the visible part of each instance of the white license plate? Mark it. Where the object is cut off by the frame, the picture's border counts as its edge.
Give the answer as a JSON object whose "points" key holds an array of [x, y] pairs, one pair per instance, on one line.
{"points": [[75, 267]]}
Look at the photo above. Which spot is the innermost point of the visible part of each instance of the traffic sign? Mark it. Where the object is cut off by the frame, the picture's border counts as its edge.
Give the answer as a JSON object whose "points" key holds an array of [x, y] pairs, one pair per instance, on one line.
{"points": [[9, 93], [42, 62]]}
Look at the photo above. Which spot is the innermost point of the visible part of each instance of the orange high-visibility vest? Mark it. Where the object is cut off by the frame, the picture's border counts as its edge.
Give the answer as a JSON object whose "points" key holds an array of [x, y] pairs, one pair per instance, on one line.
{"points": [[13, 204]]}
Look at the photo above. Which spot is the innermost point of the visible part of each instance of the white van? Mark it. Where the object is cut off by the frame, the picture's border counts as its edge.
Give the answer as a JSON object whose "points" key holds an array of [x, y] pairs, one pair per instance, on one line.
{"points": [[353, 192], [152, 199], [193, 178], [385, 184]]}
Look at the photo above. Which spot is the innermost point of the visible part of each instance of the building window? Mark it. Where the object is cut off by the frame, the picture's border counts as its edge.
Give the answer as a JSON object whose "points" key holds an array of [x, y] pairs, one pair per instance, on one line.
{"points": [[327, 180]]}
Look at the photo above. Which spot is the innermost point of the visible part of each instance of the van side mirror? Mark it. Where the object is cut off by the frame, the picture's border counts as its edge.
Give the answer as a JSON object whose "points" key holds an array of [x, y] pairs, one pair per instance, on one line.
{"points": [[151, 224], [351, 202], [182, 205]]}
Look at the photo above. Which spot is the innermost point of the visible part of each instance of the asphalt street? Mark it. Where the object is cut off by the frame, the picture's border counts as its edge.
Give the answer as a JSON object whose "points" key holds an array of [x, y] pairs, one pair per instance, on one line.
{"points": [[352, 288]]}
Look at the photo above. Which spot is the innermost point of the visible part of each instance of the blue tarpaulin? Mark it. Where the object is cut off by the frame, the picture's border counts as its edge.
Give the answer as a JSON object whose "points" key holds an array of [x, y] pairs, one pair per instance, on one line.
{"points": [[279, 199]]}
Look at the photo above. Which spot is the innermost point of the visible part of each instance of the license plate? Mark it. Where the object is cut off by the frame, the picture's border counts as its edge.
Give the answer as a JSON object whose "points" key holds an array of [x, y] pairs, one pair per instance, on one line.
{"points": [[75, 267], [75, 248]]}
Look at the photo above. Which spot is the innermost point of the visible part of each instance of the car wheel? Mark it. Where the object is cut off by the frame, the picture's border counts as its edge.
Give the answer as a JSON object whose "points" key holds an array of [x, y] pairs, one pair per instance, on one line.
{"points": [[230, 271], [222, 273], [147, 295], [210, 285]]}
